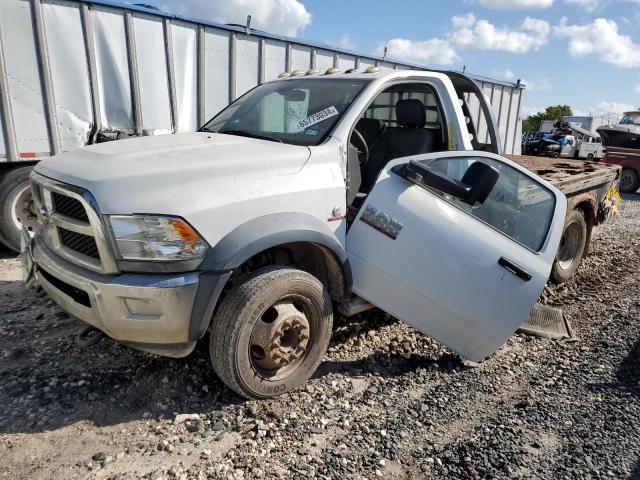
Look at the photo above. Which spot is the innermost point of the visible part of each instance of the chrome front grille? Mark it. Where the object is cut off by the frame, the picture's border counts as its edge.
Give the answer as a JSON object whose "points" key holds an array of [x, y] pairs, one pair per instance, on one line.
{"points": [[69, 207], [72, 224], [80, 243]]}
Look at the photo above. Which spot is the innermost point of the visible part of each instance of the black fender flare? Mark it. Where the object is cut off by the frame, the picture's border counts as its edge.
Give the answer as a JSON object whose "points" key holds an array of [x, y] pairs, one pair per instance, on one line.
{"points": [[246, 241]]}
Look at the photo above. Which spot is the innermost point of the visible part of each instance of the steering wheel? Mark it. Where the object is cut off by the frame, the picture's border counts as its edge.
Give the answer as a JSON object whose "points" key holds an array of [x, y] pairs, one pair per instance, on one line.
{"points": [[365, 148]]}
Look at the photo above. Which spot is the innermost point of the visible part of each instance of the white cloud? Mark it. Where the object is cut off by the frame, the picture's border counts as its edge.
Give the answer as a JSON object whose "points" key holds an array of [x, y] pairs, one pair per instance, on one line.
{"points": [[283, 17], [346, 42], [611, 107], [529, 111], [434, 51], [637, 89], [469, 32], [506, 74], [538, 85], [600, 38], [588, 5], [464, 21], [516, 4], [483, 35]]}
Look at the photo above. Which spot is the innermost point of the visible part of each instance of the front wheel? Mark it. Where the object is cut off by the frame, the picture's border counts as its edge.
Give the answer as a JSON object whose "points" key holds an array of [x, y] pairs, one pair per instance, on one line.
{"points": [[271, 332]]}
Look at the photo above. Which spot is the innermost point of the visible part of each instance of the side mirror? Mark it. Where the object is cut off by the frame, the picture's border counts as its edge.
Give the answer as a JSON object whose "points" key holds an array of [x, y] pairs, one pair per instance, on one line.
{"points": [[473, 189]]}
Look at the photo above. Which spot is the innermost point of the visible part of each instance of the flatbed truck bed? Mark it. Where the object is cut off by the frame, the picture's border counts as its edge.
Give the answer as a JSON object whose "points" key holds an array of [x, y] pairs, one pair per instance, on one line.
{"points": [[588, 188]]}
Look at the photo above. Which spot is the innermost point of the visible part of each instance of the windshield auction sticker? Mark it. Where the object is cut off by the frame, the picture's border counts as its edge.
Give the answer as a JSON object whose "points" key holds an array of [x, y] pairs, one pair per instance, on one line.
{"points": [[321, 116]]}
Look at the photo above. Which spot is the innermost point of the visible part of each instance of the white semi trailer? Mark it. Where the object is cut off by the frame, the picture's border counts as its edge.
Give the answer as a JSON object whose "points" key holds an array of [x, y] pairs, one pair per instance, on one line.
{"points": [[74, 73]]}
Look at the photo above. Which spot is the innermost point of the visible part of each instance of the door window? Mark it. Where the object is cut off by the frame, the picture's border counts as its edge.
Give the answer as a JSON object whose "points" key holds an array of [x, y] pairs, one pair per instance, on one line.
{"points": [[383, 106], [518, 206]]}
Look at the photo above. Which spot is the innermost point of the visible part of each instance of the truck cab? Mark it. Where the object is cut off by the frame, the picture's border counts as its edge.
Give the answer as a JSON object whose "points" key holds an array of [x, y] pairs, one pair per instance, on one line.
{"points": [[307, 193]]}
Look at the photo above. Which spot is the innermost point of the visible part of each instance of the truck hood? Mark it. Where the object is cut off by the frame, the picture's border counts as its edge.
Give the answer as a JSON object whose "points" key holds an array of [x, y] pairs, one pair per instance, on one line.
{"points": [[140, 171]]}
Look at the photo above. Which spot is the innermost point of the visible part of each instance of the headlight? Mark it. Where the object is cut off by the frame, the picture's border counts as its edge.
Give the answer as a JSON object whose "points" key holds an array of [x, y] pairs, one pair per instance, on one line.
{"points": [[152, 237]]}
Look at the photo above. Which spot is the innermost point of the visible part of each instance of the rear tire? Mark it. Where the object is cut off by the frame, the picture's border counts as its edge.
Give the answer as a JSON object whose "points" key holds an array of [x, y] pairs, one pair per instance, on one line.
{"points": [[16, 206], [571, 249], [590, 157], [629, 181], [271, 332]]}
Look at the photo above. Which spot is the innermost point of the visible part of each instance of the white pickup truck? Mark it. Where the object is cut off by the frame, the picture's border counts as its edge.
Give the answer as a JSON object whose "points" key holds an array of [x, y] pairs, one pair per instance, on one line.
{"points": [[307, 193]]}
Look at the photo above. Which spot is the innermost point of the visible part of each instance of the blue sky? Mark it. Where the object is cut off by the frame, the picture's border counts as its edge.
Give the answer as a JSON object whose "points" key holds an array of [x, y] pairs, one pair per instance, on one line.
{"points": [[584, 53]]}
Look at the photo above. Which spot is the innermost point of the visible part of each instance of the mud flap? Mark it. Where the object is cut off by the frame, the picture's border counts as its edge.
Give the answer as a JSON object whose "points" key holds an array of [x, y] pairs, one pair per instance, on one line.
{"points": [[547, 322]]}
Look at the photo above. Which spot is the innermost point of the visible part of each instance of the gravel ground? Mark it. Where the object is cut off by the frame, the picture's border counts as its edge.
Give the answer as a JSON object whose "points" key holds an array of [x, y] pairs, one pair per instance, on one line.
{"points": [[387, 402]]}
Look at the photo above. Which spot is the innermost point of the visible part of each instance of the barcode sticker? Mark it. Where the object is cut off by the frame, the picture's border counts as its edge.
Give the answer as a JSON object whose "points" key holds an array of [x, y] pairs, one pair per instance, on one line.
{"points": [[318, 117]]}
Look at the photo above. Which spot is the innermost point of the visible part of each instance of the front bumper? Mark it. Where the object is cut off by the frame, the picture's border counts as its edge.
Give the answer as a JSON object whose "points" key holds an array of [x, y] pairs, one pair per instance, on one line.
{"points": [[148, 312]]}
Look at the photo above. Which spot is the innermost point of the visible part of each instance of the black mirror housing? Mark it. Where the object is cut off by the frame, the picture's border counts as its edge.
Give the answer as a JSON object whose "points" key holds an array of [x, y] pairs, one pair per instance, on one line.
{"points": [[482, 178], [473, 189], [422, 175]]}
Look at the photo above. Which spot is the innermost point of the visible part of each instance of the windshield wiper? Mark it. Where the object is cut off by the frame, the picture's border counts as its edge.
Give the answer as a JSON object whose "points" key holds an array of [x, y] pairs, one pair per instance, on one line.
{"points": [[243, 133]]}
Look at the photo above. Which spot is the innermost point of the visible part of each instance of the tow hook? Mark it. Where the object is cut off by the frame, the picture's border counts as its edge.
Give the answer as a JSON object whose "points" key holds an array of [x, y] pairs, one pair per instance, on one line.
{"points": [[88, 337]]}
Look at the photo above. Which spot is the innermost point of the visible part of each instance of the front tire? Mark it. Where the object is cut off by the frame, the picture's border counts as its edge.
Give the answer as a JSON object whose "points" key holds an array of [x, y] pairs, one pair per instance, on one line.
{"points": [[271, 332], [16, 206], [571, 249]]}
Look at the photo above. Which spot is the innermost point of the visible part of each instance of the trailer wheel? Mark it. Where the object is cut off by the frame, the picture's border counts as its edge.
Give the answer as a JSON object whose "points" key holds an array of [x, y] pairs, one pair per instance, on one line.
{"points": [[16, 207], [271, 332], [590, 157], [629, 180], [571, 248]]}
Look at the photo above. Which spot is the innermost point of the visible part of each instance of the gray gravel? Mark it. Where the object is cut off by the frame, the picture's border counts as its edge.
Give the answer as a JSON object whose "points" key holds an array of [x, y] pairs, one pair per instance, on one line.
{"points": [[387, 402]]}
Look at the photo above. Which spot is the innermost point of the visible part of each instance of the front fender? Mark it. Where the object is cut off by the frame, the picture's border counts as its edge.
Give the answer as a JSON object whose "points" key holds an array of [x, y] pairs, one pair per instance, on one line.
{"points": [[246, 241], [269, 231]]}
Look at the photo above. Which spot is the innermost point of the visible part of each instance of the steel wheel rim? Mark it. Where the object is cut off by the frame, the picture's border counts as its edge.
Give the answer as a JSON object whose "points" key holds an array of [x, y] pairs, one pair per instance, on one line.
{"points": [[569, 245], [282, 337], [23, 210]]}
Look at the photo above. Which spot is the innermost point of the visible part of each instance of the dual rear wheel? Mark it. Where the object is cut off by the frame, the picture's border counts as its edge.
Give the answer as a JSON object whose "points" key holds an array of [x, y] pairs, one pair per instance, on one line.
{"points": [[572, 247]]}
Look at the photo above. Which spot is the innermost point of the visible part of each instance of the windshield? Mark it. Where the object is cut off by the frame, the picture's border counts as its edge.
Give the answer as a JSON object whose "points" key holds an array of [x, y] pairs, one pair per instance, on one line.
{"points": [[631, 119], [298, 111]]}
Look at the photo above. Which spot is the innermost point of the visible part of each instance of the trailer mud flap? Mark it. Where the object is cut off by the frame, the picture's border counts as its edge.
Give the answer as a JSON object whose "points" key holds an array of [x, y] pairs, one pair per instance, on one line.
{"points": [[547, 322]]}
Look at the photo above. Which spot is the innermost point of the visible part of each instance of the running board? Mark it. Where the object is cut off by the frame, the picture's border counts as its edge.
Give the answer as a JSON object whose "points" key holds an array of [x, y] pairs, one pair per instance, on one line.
{"points": [[547, 322]]}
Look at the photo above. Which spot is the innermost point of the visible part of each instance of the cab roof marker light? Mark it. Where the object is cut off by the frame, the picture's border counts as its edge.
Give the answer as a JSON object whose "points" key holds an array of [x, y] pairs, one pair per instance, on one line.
{"points": [[351, 70], [331, 71], [372, 69], [284, 75], [297, 73], [312, 71]]}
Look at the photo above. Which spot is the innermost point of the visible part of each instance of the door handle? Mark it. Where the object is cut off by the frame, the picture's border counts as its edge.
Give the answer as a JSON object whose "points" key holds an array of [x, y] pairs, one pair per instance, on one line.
{"points": [[514, 268]]}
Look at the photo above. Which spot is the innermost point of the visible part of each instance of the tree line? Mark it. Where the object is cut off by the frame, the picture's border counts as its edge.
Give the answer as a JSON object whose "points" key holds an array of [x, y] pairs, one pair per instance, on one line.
{"points": [[554, 112]]}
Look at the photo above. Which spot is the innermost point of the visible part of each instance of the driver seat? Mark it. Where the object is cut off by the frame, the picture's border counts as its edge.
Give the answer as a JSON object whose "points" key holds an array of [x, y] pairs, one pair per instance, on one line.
{"points": [[411, 138]]}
